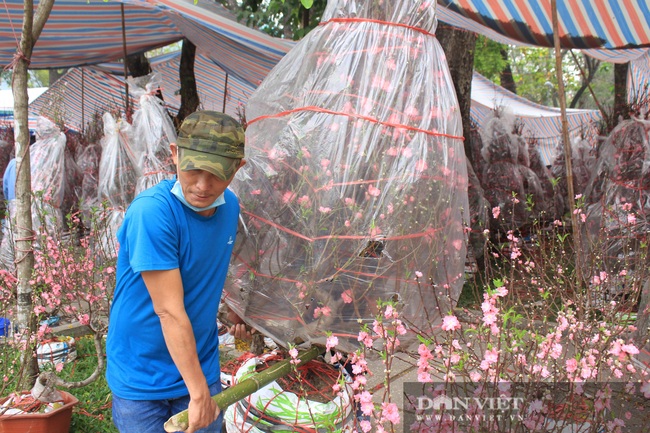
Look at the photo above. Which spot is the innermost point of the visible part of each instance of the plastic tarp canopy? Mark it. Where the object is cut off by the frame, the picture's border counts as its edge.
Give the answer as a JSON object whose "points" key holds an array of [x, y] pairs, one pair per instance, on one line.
{"points": [[84, 91], [582, 24], [248, 55]]}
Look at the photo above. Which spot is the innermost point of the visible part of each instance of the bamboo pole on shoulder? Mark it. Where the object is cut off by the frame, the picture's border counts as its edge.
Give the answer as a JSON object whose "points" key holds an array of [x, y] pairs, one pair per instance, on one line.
{"points": [[179, 422], [577, 242]]}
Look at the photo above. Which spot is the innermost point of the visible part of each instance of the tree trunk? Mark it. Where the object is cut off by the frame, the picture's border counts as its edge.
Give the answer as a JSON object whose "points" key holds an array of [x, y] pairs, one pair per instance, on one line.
{"points": [[620, 92], [459, 49], [507, 81], [190, 100], [23, 234], [138, 65], [55, 74]]}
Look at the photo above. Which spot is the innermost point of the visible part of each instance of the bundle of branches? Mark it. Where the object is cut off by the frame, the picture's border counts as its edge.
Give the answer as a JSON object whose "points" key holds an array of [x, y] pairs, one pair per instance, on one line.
{"points": [[617, 202], [509, 184], [153, 131], [356, 179], [118, 171]]}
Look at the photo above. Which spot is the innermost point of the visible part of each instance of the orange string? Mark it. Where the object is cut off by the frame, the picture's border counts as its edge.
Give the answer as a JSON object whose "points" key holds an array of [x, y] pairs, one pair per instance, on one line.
{"points": [[327, 237], [385, 23], [355, 116]]}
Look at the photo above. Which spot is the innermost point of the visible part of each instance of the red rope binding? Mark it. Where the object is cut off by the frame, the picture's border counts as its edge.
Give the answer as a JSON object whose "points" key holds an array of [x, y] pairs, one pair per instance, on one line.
{"points": [[369, 20]]}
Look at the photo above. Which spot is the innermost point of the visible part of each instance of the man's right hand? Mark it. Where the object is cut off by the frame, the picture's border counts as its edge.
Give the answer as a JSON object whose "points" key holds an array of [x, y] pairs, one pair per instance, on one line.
{"points": [[201, 413]]}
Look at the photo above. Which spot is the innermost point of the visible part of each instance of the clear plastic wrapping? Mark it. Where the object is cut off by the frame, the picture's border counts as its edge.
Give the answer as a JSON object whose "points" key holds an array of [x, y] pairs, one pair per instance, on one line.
{"points": [[7, 253], [88, 162], [118, 168], [44, 217], [507, 181], [48, 163], [356, 182], [583, 163], [553, 204], [617, 199], [153, 131]]}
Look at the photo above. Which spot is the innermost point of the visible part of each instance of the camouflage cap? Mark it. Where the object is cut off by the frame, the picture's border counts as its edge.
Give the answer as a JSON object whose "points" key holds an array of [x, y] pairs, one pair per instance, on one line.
{"points": [[211, 141]]}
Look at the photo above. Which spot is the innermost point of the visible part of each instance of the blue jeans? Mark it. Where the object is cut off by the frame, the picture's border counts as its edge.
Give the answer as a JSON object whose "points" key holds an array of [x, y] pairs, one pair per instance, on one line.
{"points": [[149, 416]]}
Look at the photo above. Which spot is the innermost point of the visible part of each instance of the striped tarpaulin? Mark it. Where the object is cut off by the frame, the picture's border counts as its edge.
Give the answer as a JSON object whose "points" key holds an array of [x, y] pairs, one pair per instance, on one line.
{"points": [[77, 95], [638, 57], [638, 80], [82, 32], [541, 124], [241, 51], [84, 91], [219, 20], [583, 24], [210, 83]]}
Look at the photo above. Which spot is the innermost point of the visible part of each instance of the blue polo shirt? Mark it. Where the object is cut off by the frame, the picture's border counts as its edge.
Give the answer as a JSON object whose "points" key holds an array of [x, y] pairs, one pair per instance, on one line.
{"points": [[9, 181], [160, 233]]}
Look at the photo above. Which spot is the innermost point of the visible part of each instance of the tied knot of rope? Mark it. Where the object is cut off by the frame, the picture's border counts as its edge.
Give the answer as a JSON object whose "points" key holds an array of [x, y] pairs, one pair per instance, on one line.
{"points": [[18, 55]]}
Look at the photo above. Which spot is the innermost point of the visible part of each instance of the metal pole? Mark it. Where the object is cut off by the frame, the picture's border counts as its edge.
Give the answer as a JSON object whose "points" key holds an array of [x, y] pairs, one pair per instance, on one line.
{"points": [[225, 93]]}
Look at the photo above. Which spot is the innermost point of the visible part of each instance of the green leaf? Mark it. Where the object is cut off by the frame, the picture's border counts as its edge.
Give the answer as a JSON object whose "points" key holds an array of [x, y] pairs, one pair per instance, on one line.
{"points": [[307, 3]]}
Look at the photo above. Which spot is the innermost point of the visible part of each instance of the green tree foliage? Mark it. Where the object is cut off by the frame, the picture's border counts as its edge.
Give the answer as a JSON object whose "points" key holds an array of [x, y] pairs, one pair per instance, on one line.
{"points": [[488, 60], [35, 78], [534, 72], [291, 19]]}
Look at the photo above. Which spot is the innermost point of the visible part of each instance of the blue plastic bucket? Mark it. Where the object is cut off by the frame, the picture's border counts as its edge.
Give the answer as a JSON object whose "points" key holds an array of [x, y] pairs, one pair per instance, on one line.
{"points": [[4, 326]]}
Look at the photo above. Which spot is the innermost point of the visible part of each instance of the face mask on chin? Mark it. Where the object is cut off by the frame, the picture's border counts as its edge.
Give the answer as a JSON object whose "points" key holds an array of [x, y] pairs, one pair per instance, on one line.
{"points": [[178, 192]]}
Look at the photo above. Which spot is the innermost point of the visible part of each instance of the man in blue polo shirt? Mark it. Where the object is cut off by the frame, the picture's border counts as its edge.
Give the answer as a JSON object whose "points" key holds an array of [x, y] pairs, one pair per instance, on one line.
{"points": [[9, 180], [175, 246]]}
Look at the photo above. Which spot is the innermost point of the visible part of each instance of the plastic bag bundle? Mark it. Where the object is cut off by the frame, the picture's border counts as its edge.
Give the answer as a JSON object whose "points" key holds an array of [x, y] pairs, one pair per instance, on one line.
{"points": [[618, 198], [356, 180], [48, 163], [118, 168], [583, 163], [88, 162], [7, 253], [153, 131], [506, 181], [43, 215], [553, 204]]}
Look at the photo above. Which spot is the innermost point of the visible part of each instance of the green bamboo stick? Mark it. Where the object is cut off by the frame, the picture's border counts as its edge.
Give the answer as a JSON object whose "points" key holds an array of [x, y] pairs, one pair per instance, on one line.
{"points": [[180, 421]]}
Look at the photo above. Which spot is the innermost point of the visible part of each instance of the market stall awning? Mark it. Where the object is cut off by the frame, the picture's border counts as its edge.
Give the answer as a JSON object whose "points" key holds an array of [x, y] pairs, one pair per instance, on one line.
{"points": [[80, 32], [85, 91], [583, 24]]}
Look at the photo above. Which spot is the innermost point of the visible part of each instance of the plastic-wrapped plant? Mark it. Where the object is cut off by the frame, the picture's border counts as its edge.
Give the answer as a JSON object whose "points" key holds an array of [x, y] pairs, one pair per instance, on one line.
{"points": [[153, 130], [617, 200], [356, 176]]}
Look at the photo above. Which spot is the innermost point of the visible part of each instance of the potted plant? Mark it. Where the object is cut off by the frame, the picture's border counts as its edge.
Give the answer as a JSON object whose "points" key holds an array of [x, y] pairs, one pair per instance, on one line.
{"points": [[72, 279], [22, 412]]}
